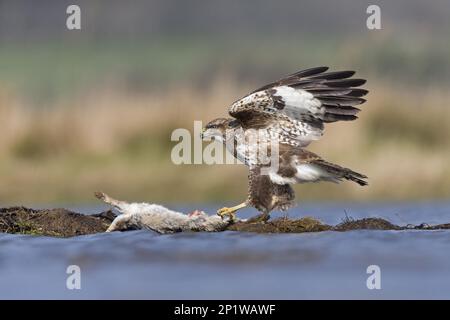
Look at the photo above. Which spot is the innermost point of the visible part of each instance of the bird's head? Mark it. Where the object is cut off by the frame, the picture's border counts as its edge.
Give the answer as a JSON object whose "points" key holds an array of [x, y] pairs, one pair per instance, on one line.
{"points": [[217, 128]]}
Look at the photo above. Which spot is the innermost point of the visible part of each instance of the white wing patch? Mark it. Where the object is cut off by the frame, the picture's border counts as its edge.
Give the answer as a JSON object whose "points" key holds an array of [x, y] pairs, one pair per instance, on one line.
{"points": [[299, 102], [294, 112]]}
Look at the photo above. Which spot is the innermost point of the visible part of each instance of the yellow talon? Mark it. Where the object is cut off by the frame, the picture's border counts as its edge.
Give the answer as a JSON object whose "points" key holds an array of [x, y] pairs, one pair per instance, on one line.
{"points": [[230, 212]]}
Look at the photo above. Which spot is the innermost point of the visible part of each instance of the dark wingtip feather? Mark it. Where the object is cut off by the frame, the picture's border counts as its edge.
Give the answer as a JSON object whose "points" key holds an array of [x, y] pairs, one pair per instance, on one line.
{"points": [[358, 92], [348, 110], [334, 75], [341, 100], [346, 83], [309, 72], [333, 117]]}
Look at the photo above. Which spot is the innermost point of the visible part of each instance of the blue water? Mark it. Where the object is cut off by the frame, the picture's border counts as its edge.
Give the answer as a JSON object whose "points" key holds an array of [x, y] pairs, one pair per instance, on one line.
{"points": [[142, 264]]}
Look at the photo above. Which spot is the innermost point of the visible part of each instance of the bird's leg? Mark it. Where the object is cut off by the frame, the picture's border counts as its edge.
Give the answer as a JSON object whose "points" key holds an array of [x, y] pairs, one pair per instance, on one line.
{"points": [[231, 212]]}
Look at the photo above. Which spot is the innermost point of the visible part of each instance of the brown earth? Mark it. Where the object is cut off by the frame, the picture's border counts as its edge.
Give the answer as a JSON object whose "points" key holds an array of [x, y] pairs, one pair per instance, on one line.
{"points": [[65, 223], [52, 222]]}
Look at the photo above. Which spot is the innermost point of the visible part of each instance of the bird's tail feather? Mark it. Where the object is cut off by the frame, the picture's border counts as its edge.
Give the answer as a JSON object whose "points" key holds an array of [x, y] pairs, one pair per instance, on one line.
{"points": [[340, 173]]}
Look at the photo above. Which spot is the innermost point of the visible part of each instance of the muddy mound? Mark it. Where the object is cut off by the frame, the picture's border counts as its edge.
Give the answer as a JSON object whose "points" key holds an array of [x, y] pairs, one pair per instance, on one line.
{"points": [[282, 225], [366, 224], [309, 224], [52, 222], [65, 223]]}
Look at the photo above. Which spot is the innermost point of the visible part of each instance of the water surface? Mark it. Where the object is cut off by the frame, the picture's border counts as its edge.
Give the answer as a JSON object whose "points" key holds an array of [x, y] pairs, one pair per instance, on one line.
{"points": [[143, 264]]}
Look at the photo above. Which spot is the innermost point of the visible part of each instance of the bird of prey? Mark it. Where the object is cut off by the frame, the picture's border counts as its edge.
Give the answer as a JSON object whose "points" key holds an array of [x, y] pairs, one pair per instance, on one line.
{"points": [[289, 113]]}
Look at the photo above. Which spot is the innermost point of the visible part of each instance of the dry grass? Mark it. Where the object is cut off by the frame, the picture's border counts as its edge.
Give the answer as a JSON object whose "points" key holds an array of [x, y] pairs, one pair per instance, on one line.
{"points": [[120, 142]]}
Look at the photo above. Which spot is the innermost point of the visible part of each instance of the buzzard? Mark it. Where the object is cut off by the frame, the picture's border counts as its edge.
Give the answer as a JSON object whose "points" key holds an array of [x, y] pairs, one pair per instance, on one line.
{"points": [[286, 116]]}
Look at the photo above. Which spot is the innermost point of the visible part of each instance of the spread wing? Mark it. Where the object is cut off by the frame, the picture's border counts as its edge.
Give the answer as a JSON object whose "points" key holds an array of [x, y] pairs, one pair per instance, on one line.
{"points": [[297, 106]]}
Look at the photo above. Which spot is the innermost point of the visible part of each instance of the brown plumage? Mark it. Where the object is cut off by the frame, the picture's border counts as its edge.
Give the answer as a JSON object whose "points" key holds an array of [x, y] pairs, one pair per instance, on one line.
{"points": [[289, 113], [265, 195]]}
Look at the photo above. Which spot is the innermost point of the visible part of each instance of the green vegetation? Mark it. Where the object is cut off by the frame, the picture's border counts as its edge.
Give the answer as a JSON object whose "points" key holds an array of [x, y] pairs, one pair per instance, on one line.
{"points": [[76, 118], [52, 70]]}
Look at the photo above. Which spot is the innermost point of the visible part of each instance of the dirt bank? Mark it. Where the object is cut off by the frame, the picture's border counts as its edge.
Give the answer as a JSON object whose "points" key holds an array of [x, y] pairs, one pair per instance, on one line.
{"points": [[52, 222], [65, 223]]}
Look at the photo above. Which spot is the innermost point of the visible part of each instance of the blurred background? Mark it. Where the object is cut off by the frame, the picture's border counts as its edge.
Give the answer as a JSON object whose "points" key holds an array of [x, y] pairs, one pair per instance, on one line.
{"points": [[93, 109]]}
